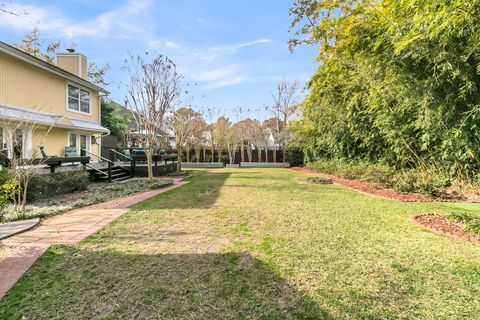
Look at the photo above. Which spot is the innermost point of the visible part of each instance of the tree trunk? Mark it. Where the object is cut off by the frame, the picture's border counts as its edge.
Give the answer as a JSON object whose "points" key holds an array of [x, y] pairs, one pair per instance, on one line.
{"points": [[219, 154], [24, 200], [179, 158], [187, 151], [204, 154], [149, 163], [249, 153], [198, 150], [275, 154], [213, 153], [242, 152]]}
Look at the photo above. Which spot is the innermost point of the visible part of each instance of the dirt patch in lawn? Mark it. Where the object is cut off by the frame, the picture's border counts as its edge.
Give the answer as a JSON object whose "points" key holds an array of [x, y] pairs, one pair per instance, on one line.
{"points": [[386, 193], [439, 224]]}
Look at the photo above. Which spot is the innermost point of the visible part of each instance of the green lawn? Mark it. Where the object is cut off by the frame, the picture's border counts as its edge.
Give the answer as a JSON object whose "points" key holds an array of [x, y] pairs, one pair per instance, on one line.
{"points": [[255, 244]]}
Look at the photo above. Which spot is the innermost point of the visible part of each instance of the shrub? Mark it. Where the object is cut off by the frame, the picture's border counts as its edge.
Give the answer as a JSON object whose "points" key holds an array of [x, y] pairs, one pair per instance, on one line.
{"points": [[294, 156], [470, 222], [225, 159], [8, 186], [319, 180], [427, 181], [177, 173], [48, 185], [422, 181], [376, 173]]}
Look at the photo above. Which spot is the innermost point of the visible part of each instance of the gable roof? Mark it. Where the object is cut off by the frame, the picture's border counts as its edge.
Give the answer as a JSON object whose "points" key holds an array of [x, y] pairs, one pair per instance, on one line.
{"points": [[19, 54]]}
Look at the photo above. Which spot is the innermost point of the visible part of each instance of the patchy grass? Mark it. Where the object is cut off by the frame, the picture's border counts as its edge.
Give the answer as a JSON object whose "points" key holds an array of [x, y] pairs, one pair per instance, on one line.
{"points": [[254, 244], [95, 193], [319, 180]]}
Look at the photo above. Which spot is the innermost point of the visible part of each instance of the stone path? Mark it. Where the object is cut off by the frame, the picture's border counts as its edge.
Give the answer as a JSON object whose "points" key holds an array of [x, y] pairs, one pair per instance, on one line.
{"points": [[68, 228], [11, 228]]}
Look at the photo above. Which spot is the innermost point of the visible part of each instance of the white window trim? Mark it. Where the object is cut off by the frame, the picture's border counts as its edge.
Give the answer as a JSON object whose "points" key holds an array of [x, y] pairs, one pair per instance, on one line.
{"points": [[82, 88], [77, 140]]}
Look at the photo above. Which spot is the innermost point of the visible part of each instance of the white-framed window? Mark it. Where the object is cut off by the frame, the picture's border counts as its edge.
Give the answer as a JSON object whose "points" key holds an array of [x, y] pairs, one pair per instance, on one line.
{"points": [[78, 99]]}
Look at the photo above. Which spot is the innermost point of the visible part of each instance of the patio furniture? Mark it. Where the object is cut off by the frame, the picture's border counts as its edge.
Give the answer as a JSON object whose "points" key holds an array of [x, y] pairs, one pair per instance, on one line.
{"points": [[71, 152]]}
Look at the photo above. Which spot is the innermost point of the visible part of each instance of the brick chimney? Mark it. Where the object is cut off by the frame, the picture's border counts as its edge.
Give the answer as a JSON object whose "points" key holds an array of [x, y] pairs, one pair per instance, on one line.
{"points": [[73, 62]]}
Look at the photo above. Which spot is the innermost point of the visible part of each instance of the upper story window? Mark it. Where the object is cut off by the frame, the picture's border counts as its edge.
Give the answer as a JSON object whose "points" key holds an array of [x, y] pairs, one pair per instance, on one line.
{"points": [[78, 99]]}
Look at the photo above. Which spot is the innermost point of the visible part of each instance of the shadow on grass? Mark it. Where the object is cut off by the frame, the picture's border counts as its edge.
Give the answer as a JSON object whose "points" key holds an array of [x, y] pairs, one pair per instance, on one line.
{"points": [[201, 192], [71, 283]]}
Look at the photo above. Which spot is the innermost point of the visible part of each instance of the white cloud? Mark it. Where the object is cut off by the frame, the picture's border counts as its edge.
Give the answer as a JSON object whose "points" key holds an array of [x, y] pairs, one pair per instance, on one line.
{"points": [[211, 65], [119, 22], [172, 44]]}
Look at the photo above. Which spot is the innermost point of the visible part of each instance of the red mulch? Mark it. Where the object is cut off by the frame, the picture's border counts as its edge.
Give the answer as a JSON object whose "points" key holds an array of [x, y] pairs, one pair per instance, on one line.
{"points": [[439, 224], [370, 189]]}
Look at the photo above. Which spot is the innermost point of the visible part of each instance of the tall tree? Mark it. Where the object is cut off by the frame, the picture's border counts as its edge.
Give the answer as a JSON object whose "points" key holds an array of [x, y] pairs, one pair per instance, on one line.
{"points": [[183, 122], [398, 82], [152, 92], [283, 108], [112, 118], [220, 132]]}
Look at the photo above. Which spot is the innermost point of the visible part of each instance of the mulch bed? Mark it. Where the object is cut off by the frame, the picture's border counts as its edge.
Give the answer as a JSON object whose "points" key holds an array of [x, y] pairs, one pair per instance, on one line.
{"points": [[386, 193], [439, 224]]}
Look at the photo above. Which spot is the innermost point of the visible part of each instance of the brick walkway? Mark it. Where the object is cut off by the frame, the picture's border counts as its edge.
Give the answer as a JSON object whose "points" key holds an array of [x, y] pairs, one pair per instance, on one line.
{"points": [[68, 228]]}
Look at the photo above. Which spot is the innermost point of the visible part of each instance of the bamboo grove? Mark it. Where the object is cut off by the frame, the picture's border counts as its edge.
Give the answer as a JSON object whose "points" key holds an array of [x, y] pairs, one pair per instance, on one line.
{"points": [[398, 82]]}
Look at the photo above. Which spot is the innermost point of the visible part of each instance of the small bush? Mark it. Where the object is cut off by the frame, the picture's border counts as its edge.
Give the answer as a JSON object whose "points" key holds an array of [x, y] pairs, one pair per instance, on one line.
{"points": [[470, 222], [177, 174], [294, 156], [422, 181], [48, 185], [225, 159], [319, 180]]}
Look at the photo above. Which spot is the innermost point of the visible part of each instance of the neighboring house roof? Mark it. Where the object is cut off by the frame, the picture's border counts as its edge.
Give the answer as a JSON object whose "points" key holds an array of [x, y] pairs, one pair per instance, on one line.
{"points": [[19, 54], [48, 119]]}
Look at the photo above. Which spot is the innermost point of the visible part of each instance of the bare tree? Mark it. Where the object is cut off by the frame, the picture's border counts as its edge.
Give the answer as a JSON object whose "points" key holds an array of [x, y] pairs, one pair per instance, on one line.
{"points": [[153, 92], [23, 160], [220, 132], [258, 138], [232, 142], [274, 127], [5, 9], [247, 129], [198, 136], [183, 122], [283, 108]]}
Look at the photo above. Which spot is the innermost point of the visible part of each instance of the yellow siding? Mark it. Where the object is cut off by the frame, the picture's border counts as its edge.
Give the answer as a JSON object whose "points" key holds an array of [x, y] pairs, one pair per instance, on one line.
{"points": [[69, 63], [84, 74], [56, 140], [28, 86]]}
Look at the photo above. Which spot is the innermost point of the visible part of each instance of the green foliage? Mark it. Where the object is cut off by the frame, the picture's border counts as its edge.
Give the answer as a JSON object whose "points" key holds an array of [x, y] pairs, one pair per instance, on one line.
{"points": [[376, 173], [294, 156], [398, 82], [8, 187], [113, 119], [430, 182], [49, 185], [319, 180], [470, 222], [225, 159], [422, 181]]}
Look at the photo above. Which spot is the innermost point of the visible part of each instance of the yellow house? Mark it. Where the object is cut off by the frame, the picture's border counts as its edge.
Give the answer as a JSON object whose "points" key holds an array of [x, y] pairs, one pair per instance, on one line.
{"points": [[53, 106]]}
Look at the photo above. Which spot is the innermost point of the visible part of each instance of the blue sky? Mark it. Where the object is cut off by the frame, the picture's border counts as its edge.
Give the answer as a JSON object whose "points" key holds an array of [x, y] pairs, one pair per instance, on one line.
{"points": [[231, 52]]}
